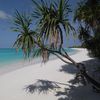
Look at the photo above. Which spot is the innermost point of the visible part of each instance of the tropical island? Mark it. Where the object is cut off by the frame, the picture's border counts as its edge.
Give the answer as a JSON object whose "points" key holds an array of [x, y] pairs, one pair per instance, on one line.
{"points": [[61, 73]]}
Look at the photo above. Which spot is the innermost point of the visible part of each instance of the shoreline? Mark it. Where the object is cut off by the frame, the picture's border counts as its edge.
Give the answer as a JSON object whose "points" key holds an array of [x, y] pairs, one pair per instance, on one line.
{"points": [[56, 77], [21, 64], [18, 64]]}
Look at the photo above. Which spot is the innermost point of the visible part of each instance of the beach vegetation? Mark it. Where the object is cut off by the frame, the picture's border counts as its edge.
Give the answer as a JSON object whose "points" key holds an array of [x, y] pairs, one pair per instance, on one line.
{"points": [[52, 25], [88, 17]]}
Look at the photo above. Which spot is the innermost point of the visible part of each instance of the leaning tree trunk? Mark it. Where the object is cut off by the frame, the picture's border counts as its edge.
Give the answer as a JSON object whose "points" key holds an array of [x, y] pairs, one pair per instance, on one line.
{"points": [[82, 69]]}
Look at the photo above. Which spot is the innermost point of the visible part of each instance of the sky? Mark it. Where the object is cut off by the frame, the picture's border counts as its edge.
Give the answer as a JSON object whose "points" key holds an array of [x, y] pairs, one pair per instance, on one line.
{"points": [[7, 9]]}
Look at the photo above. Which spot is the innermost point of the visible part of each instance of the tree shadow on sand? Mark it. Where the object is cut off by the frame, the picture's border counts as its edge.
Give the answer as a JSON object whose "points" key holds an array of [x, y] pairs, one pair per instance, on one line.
{"points": [[42, 86], [77, 93], [68, 69], [92, 67], [69, 92], [74, 91], [46, 86]]}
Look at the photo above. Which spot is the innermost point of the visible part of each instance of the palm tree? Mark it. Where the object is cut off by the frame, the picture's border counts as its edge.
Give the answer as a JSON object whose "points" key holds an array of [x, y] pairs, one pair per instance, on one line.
{"points": [[88, 12], [52, 19], [88, 17], [24, 40]]}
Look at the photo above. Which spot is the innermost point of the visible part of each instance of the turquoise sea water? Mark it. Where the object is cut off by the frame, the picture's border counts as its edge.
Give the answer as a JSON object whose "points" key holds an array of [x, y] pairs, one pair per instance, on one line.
{"points": [[9, 55]]}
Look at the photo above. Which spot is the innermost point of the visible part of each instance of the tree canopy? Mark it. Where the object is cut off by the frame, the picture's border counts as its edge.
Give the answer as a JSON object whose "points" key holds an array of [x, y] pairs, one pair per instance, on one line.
{"points": [[48, 37], [88, 17]]}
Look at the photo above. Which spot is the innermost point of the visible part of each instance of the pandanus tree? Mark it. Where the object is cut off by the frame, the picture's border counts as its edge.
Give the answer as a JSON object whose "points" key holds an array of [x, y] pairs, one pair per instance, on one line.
{"points": [[25, 38], [52, 20], [88, 16]]}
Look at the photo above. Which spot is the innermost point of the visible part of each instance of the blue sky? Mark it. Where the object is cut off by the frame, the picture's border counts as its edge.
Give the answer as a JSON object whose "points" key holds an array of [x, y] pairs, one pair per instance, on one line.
{"points": [[7, 9]]}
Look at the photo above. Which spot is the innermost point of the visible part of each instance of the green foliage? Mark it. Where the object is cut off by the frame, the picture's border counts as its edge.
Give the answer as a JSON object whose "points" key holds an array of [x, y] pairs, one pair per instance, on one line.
{"points": [[52, 20], [28, 40], [79, 46], [88, 17], [51, 17], [24, 40], [93, 46]]}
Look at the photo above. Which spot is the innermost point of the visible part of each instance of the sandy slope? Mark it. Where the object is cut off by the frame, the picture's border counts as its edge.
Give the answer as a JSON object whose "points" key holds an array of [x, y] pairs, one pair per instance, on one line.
{"points": [[53, 75]]}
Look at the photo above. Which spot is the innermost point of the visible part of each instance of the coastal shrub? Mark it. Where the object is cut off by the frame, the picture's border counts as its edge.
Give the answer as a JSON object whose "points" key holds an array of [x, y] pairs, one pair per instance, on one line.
{"points": [[88, 16]]}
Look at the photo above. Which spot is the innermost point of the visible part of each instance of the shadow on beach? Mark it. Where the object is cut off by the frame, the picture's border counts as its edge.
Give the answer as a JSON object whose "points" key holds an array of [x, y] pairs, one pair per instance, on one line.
{"points": [[92, 66], [69, 91]]}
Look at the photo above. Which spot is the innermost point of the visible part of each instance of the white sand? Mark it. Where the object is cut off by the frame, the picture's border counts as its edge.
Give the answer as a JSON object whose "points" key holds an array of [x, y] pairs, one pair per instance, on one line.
{"points": [[12, 84]]}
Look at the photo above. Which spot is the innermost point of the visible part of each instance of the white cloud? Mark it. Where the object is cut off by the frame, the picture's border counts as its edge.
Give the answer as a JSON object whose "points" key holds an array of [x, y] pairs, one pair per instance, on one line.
{"points": [[4, 15]]}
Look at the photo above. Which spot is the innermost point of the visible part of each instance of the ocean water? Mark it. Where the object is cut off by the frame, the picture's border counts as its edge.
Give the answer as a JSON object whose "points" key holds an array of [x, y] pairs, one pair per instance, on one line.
{"points": [[9, 55]]}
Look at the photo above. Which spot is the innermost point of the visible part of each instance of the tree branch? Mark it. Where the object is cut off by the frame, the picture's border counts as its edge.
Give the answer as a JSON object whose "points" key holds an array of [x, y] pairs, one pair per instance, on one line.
{"points": [[61, 58], [58, 52]]}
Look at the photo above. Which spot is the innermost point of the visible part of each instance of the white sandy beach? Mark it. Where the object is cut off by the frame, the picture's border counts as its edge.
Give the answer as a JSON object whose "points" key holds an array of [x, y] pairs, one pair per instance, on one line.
{"points": [[55, 73]]}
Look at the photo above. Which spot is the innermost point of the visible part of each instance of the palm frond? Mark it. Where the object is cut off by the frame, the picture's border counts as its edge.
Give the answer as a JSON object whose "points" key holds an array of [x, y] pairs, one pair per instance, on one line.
{"points": [[51, 18], [25, 39]]}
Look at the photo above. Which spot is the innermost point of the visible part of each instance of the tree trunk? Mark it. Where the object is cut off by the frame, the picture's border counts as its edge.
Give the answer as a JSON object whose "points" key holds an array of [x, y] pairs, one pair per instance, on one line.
{"points": [[82, 69]]}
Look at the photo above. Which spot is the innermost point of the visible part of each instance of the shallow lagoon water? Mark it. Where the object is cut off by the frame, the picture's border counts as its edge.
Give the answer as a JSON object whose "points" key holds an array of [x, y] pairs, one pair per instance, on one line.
{"points": [[9, 55]]}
